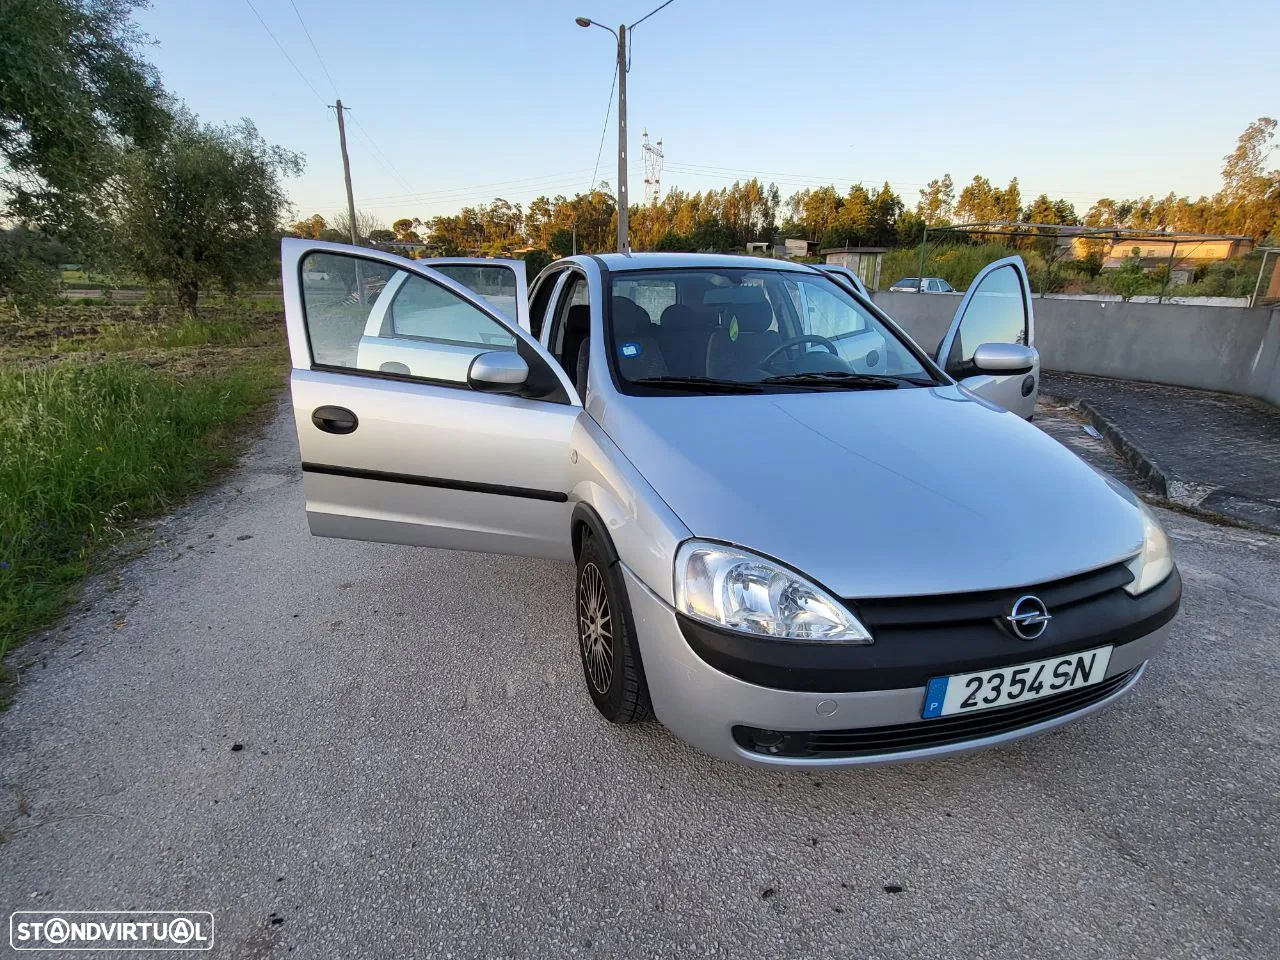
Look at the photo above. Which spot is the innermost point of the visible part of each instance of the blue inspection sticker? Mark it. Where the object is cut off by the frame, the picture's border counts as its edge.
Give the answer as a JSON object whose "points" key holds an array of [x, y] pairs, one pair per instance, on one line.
{"points": [[630, 350], [934, 697]]}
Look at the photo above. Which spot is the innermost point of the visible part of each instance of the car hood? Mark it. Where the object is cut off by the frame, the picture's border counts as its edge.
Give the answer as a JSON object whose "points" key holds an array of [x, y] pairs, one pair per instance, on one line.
{"points": [[879, 493]]}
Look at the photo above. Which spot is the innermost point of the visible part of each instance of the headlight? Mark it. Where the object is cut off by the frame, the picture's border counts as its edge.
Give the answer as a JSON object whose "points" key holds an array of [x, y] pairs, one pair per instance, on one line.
{"points": [[737, 590], [1155, 562]]}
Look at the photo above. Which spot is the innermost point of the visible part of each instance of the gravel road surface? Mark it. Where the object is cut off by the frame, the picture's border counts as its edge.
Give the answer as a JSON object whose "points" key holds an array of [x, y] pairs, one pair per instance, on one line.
{"points": [[358, 750]]}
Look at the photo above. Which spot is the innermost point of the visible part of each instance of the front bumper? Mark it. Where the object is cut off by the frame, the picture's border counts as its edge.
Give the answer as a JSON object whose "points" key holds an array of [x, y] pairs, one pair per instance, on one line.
{"points": [[702, 705]]}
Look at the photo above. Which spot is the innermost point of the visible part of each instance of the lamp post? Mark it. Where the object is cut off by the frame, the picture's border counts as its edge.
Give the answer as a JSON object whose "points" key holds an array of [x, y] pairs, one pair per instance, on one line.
{"points": [[624, 244]]}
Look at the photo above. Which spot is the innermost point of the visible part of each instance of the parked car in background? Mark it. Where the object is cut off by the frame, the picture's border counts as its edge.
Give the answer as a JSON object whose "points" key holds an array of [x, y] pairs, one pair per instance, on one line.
{"points": [[922, 285], [799, 539]]}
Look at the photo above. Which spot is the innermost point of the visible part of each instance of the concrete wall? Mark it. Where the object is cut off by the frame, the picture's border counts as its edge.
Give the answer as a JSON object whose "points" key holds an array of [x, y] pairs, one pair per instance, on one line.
{"points": [[1214, 348]]}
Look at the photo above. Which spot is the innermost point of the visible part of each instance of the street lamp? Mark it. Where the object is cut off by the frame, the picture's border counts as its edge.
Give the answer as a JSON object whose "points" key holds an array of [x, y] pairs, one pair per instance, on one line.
{"points": [[623, 213]]}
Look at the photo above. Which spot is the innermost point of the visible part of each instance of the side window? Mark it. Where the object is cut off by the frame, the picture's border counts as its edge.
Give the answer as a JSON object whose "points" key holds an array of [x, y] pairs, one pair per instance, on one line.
{"points": [[830, 316], [370, 316], [540, 301], [495, 282], [426, 310], [566, 336], [996, 313]]}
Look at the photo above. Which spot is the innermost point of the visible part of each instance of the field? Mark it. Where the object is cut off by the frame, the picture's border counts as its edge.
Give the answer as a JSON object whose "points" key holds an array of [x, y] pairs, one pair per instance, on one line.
{"points": [[109, 413]]}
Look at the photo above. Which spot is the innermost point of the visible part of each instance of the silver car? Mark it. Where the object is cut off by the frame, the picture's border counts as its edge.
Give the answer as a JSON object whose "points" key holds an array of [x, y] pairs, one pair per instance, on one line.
{"points": [[798, 538]]}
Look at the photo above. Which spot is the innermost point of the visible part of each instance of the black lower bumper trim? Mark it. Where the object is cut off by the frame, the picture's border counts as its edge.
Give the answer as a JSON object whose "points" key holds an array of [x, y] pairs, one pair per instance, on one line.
{"points": [[909, 654], [924, 734]]}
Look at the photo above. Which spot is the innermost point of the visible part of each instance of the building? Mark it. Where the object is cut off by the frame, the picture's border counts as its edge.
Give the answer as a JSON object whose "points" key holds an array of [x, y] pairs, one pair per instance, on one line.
{"points": [[864, 261], [793, 249], [1181, 253]]}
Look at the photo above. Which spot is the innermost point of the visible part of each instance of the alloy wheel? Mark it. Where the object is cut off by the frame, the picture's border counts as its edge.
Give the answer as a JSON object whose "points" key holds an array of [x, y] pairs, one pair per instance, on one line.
{"points": [[595, 628]]}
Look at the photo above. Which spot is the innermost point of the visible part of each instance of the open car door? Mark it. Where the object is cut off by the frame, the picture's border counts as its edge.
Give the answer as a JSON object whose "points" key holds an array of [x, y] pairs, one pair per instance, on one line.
{"points": [[995, 310], [846, 276], [424, 414], [502, 283]]}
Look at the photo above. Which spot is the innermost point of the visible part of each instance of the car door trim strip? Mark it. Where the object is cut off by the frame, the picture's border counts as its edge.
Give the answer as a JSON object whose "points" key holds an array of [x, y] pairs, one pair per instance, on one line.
{"points": [[497, 489]]}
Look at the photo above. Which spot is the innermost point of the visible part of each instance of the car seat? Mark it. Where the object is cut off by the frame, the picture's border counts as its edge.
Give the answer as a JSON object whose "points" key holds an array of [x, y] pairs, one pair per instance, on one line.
{"points": [[735, 350], [683, 336]]}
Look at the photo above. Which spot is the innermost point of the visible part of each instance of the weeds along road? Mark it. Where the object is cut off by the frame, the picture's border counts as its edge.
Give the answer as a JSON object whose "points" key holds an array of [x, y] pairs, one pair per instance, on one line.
{"points": [[348, 749]]}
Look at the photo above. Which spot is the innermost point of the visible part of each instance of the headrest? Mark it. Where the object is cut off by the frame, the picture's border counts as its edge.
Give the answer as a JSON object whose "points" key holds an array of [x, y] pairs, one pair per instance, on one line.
{"points": [[630, 319], [578, 319], [678, 318], [753, 317]]}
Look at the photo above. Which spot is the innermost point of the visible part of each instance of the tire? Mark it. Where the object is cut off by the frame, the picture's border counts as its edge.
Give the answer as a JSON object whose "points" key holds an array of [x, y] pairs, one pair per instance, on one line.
{"points": [[607, 646]]}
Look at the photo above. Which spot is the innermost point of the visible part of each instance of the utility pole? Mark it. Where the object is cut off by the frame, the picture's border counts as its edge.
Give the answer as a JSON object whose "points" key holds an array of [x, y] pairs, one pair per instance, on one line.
{"points": [[346, 172], [624, 243]]}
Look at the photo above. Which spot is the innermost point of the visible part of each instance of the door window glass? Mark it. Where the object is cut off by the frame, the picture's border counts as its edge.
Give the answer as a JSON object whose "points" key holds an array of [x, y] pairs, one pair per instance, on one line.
{"points": [[495, 282], [996, 314], [566, 338], [371, 316]]}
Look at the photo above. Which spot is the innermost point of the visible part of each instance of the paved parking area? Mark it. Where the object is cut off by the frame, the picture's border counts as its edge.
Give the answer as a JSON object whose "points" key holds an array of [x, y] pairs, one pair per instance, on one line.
{"points": [[1216, 452], [349, 750]]}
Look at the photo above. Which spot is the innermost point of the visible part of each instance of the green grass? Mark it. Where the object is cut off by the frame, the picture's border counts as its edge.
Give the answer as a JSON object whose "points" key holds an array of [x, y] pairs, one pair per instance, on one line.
{"points": [[109, 414]]}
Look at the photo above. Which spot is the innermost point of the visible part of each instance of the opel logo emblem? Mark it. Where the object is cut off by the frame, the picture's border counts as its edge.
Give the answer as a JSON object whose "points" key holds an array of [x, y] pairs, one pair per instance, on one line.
{"points": [[1029, 617]]}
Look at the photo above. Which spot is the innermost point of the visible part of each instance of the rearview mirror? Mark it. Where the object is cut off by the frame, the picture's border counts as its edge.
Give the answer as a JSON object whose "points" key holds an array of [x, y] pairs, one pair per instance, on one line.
{"points": [[498, 371], [1004, 358]]}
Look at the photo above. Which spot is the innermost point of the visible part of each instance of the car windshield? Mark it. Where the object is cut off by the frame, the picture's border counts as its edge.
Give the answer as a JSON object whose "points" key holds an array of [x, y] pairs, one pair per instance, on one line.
{"points": [[908, 282], [726, 330]]}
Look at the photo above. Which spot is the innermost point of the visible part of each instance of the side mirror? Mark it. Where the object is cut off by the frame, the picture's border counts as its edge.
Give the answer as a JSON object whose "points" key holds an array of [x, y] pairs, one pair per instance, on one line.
{"points": [[1003, 358], [498, 371]]}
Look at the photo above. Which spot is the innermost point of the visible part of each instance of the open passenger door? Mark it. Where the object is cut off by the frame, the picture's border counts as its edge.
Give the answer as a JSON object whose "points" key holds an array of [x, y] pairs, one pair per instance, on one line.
{"points": [[424, 414], [996, 311]]}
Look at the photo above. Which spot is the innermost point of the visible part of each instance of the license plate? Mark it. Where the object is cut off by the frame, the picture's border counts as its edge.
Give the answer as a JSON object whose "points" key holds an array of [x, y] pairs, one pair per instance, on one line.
{"points": [[1023, 682]]}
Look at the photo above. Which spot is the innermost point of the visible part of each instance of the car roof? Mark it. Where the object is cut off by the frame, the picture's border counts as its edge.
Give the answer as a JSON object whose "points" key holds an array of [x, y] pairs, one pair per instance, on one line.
{"points": [[621, 262]]}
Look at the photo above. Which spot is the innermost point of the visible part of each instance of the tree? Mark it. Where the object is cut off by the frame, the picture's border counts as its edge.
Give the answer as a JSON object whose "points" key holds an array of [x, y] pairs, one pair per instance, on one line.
{"points": [[937, 202], [672, 242], [73, 94], [406, 230], [534, 263], [561, 243], [312, 228], [366, 223], [29, 261], [204, 208]]}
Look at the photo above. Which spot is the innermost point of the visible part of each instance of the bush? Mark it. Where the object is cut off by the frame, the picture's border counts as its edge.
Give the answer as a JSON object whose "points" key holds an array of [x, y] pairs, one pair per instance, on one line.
{"points": [[672, 242], [534, 262], [957, 263]]}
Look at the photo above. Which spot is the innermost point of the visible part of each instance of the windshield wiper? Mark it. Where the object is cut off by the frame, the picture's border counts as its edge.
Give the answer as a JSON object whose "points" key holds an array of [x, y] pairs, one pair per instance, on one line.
{"points": [[835, 378], [704, 384]]}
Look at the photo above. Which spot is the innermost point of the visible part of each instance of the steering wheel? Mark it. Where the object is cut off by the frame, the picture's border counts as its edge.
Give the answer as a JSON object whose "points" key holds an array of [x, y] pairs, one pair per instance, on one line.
{"points": [[796, 341]]}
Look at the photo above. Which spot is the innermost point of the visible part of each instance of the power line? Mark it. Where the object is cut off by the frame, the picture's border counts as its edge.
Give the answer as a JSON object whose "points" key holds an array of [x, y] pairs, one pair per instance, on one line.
{"points": [[285, 52], [462, 197], [333, 86], [650, 14], [604, 128], [378, 153], [429, 196], [368, 138]]}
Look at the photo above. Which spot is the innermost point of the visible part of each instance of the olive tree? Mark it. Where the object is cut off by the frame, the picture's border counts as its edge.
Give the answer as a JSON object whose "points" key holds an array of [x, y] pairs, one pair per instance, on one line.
{"points": [[205, 208], [74, 93]]}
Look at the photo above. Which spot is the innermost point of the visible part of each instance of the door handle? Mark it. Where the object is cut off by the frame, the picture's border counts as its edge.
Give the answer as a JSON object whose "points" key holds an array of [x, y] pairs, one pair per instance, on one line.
{"points": [[338, 420]]}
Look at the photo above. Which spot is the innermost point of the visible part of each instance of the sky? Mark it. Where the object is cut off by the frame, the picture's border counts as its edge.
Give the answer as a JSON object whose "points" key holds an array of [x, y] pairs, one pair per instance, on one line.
{"points": [[453, 104]]}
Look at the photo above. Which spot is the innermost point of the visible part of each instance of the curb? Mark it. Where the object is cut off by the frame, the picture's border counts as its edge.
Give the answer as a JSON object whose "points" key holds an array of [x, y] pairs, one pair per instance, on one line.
{"points": [[1132, 452], [1200, 497]]}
